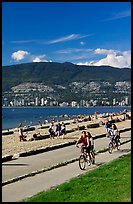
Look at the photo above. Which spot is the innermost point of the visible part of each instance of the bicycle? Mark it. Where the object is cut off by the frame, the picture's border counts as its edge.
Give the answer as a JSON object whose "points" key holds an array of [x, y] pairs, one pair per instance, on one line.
{"points": [[114, 143], [85, 159]]}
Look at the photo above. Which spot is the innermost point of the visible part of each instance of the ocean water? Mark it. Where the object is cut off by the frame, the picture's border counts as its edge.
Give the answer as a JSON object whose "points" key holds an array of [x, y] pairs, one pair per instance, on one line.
{"points": [[11, 117]]}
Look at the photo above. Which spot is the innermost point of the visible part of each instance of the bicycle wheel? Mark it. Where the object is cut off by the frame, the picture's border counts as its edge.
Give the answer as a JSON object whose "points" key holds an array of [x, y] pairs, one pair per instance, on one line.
{"points": [[110, 147], [82, 162]]}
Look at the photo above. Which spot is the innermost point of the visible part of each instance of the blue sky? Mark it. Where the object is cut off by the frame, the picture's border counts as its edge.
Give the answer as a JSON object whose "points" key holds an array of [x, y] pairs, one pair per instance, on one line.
{"points": [[89, 33]]}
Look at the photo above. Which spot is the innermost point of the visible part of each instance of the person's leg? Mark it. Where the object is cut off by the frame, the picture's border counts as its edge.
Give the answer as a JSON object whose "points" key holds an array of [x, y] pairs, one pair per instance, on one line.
{"points": [[82, 149], [93, 155], [63, 135], [20, 138]]}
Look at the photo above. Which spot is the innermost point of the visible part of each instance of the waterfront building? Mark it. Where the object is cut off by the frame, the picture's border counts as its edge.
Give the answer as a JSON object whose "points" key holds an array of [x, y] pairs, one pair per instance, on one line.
{"points": [[11, 103], [14, 102], [42, 101], [22, 102], [36, 101], [74, 103], [63, 104], [114, 102], [5, 102], [126, 100]]}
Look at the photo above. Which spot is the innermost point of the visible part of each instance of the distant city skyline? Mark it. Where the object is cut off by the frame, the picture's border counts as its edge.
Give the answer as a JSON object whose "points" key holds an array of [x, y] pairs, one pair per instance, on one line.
{"points": [[88, 33]]}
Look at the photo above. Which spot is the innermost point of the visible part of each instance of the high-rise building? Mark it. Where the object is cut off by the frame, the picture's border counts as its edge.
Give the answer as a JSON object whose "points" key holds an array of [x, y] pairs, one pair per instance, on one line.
{"points": [[42, 101], [22, 102], [74, 103], [5, 102], [114, 101], [126, 100], [15, 102], [36, 101]]}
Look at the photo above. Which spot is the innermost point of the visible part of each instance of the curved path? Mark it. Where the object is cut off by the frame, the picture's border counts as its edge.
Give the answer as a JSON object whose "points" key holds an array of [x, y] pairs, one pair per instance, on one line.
{"points": [[26, 165], [30, 186]]}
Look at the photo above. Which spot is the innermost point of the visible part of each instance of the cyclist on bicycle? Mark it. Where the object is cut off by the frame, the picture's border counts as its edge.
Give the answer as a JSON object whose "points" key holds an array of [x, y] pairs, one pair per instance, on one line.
{"points": [[91, 145], [114, 134], [84, 138]]}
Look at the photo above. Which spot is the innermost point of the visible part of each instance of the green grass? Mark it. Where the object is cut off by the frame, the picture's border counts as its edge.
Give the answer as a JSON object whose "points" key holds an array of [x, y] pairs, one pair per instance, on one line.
{"points": [[108, 183]]}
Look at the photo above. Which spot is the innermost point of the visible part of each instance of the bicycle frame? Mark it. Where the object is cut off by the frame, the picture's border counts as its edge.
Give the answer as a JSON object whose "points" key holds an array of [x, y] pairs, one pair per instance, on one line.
{"points": [[83, 159], [114, 144]]}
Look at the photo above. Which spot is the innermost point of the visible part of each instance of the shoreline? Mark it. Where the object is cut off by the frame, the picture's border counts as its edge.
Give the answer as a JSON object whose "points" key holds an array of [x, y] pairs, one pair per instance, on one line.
{"points": [[68, 117], [11, 144], [62, 107]]}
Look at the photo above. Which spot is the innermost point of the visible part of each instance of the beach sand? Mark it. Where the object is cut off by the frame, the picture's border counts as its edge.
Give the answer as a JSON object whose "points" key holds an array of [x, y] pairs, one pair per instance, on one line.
{"points": [[11, 144]]}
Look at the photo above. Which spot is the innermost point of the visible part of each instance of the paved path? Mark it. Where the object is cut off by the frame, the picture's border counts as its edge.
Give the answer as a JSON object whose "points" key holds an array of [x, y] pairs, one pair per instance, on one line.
{"points": [[30, 186], [26, 165]]}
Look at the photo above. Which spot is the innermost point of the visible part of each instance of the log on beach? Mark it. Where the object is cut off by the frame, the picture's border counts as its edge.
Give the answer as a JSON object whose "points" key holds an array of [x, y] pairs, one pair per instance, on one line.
{"points": [[94, 125], [81, 127], [28, 129], [43, 127], [7, 133]]}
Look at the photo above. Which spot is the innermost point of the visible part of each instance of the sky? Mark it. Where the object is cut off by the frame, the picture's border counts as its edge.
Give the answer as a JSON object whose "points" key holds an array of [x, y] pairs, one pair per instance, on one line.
{"points": [[83, 33]]}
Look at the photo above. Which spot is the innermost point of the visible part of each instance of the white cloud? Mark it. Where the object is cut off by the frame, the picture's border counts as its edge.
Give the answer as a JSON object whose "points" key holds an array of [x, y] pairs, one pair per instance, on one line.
{"points": [[113, 58], [103, 51], [91, 63], [19, 55], [22, 41], [67, 38], [40, 58], [73, 50], [119, 15], [127, 55], [82, 43]]}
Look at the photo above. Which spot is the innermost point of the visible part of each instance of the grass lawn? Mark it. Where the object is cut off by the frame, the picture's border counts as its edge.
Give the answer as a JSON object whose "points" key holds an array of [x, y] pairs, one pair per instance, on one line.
{"points": [[108, 183]]}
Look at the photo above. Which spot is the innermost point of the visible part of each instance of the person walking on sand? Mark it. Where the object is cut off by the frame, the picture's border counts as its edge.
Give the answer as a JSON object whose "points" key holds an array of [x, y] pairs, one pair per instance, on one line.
{"points": [[63, 130], [58, 129], [21, 135], [51, 130], [107, 126]]}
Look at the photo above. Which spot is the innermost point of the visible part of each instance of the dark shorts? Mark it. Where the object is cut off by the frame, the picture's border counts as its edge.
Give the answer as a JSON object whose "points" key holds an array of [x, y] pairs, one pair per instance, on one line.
{"points": [[87, 148]]}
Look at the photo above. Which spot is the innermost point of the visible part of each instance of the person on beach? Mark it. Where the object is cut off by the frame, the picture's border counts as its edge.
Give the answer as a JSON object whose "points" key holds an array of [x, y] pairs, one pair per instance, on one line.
{"points": [[107, 126], [51, 130], [63, 130], [34, 136], [40, 123], [21, 135], [58, 129]]}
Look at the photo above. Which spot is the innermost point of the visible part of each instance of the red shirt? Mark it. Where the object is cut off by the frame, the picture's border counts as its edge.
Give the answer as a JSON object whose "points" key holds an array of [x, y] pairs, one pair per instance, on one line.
{"points": [[84, 140]]}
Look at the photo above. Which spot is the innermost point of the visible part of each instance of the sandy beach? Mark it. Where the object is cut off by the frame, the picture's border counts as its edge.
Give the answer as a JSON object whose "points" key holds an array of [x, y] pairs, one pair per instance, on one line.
{"points": [[11, 144]]}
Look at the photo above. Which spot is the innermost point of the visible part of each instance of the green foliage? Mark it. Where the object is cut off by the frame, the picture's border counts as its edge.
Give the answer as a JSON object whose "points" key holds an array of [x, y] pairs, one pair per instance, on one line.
{"points": [[59, 73]]}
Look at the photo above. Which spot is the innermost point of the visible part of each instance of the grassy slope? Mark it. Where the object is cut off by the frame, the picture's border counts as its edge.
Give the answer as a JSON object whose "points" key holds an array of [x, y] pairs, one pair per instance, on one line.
{"points": [[108, 183]]}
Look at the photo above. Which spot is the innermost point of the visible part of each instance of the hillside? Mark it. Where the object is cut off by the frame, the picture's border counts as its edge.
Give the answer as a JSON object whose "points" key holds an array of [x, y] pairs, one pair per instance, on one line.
{"points": [[52, 73]]}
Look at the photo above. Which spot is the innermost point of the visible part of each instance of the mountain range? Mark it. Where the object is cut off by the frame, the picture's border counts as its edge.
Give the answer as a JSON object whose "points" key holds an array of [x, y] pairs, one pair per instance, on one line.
{"points": [[53, 73]]}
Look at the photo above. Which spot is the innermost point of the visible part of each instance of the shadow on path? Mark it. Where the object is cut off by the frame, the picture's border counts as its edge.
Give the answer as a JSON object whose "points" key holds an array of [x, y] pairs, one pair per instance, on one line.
{"points": [[15, 164]]}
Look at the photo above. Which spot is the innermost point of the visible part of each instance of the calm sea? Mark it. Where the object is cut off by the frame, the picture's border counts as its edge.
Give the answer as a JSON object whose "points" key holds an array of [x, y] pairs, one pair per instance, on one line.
{"points": [[11, 117]]}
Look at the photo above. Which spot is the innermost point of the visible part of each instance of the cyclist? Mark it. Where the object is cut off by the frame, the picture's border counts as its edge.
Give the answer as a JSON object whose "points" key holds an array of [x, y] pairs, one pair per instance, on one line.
{"points": [[91, 145], [116, 133], [85, 143]]}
